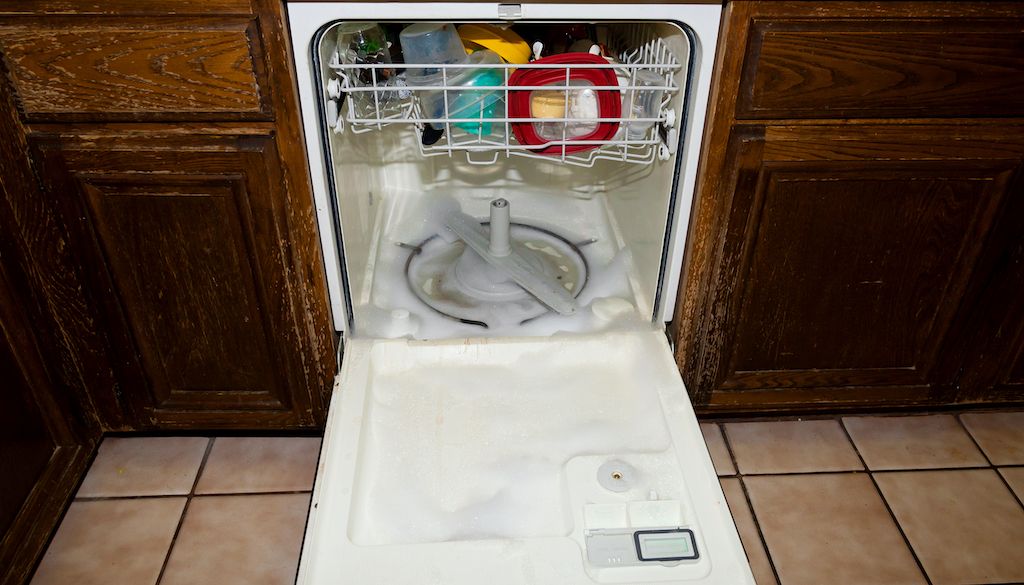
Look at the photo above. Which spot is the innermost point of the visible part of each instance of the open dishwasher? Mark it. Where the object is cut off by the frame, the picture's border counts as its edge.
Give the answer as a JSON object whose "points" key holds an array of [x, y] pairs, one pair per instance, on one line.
{"points": [[503, 193]]}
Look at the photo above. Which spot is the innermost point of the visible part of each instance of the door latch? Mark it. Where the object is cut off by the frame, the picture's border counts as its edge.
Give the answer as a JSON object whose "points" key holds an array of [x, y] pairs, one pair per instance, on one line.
{"points": [[510, 11]]}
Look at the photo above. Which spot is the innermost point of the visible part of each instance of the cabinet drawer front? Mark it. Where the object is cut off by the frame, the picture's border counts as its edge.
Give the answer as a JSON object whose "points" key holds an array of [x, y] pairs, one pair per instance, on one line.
{"points": [[136, 69], [867, 68]]}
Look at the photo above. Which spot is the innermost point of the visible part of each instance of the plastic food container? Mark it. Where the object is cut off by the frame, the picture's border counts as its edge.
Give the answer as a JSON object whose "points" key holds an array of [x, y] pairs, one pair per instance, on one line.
{"points": [[462, 101], [583, 107]]}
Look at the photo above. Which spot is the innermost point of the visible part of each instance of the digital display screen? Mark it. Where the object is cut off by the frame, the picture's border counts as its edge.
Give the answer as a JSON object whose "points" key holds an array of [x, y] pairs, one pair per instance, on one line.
{"points": [[667, 545]]}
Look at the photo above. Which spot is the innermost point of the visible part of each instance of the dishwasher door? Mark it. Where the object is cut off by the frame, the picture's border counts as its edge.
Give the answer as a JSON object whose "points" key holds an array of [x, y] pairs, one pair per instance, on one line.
{"points": [[564, 460]]}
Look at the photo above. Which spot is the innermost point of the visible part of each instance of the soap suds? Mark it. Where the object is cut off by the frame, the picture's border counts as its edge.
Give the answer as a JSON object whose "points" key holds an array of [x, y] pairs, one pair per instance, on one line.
{"points": [[477, 449]]}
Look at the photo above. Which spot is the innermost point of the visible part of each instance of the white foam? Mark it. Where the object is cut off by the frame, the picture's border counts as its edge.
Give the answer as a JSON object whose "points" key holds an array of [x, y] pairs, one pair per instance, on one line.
{"points": [[414, 219], [475, 444]]}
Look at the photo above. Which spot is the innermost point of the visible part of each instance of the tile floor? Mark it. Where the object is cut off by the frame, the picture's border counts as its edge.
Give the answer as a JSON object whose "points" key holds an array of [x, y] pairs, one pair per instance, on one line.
{"points": [[932, 499], [186, 511], [877, 500]]}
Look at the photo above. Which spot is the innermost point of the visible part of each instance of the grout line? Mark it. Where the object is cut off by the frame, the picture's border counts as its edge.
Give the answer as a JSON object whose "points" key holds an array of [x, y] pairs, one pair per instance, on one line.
{"points": [[750, 505], [881, 496], [973, 440], [760, 533], [865, 470], [136, 497], [184, 511], [994, 467], [728, 448], [262, 493], [193, 495]]}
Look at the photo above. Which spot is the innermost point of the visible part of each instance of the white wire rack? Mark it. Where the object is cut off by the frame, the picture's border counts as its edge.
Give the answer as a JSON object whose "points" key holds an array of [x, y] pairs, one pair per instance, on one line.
{"points": [[489, 135]]}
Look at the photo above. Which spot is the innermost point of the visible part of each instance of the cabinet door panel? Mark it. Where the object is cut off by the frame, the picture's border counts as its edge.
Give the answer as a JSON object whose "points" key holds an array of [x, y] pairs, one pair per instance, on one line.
{"points": [[191, 239], [839, 258], [181, 260], [993, 364], [842, 265]]}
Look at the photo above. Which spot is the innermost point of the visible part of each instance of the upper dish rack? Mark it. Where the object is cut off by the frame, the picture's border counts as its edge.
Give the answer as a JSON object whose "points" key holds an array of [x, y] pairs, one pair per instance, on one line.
{"points": [[487, 136]]}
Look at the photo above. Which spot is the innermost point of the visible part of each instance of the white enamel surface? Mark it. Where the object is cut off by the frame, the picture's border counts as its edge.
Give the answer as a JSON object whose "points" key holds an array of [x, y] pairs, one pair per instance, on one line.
{"points": [[473, 461], [306, 18]]}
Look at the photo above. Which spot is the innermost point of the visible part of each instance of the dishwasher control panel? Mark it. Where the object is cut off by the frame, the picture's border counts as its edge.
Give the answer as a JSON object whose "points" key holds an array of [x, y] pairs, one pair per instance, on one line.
{"points": [[618, 547]]}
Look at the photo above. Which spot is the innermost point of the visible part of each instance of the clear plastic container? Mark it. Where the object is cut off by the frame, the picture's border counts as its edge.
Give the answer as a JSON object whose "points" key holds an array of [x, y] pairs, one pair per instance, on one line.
{"points": [[642, 103], [428, 43], [582, 106], [464, 103]]}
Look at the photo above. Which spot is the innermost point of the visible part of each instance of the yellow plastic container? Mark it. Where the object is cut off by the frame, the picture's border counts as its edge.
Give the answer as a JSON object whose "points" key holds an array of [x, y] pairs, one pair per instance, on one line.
{"points": [[507, 44]]}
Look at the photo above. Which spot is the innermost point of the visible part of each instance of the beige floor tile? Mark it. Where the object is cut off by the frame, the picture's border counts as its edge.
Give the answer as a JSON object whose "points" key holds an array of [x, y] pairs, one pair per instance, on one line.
{"points": [[830, 529], [791, 447], [913, 442], [1015, 477], [759, 563], [965, 526], [260, 464], [1000, 434], [111, 542], [239, 540], [716, 446], [144, 466]]}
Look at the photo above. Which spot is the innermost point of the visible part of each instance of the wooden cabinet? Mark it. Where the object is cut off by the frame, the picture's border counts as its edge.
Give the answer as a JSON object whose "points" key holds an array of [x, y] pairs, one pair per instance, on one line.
{"points": [[171, 190], [843, 254], [899, 61], [993, 367], [189, 238], [43, 452], [131, 68]]}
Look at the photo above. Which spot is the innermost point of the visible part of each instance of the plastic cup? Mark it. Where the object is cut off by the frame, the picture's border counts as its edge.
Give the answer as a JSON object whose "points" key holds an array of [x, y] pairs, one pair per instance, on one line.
{"points": [[430, 43], [364, 43]]}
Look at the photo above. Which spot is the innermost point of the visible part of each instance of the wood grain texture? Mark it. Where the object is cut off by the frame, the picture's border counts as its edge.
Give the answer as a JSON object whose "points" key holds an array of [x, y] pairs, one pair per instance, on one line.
{"points": [[808, 169], [307, 272], [49, 280], [44, 449], [26, 540], [25, 444], [769, 401], [181, 259], [133, 68], [992, 356], [126, 7], [190, 237], [853, 271], [883, 68], [841, 264], [850, 271]]}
